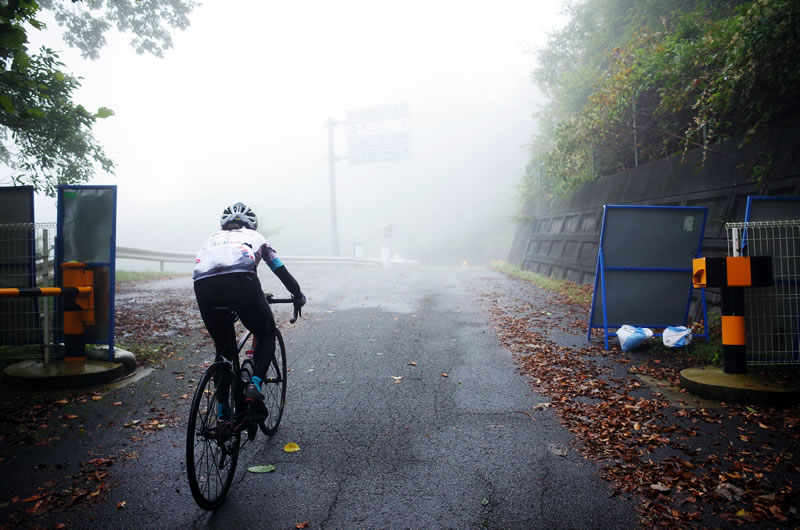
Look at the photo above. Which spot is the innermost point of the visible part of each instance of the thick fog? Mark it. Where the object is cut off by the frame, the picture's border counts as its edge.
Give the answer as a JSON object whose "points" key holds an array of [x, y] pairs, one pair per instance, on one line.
{"points": [[237, 111]]}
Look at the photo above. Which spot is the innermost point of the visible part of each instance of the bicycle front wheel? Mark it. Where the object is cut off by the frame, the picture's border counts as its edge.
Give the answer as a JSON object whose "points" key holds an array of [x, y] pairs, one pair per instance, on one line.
{"points": [[274, 388], [212, 446]]}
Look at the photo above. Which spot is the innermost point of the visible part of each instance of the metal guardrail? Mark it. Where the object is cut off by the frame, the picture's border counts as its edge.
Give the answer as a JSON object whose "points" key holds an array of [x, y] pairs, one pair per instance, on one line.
{"points": [[165, 256]]}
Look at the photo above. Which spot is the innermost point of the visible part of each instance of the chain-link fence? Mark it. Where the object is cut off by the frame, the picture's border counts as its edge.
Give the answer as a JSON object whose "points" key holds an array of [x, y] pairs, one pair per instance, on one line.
{"points": [[27, 325], [772, 313]]}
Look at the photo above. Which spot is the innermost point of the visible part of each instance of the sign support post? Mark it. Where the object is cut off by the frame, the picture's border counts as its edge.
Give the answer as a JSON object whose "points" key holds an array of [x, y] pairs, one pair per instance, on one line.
{"points": [[332, 177]]}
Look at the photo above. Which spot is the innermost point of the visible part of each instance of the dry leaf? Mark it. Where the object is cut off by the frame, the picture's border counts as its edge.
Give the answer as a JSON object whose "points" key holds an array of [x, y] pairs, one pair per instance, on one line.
{"points": [[291, 447], [412, 363], [304, 524], [121, 505], [444, 374], [70, 416], [97, 398]]}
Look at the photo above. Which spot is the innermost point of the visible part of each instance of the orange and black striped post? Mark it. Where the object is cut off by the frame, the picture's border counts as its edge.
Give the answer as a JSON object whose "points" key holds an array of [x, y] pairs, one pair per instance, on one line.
{"points": [[732, 275], [78, 310]]}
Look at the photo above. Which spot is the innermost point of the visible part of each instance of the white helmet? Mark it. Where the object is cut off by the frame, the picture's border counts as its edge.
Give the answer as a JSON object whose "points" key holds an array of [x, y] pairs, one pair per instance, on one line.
{"points": [[241, 213]]}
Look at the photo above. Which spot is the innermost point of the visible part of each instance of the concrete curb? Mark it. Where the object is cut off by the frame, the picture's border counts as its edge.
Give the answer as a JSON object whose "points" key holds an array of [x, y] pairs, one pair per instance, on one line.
{"points": [[711, 382], [58, 375]]}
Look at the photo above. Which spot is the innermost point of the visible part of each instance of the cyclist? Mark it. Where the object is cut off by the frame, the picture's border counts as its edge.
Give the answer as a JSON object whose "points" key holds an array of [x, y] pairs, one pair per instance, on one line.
{"points": [[225, 276]]}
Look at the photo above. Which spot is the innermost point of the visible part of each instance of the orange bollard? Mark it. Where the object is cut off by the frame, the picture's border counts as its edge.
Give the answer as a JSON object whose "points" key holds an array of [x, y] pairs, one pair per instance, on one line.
{"points": [[78, 309]]}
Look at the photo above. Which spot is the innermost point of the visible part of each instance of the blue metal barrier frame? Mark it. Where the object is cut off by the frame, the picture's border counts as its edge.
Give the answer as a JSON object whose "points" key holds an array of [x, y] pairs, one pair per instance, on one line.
{"points": [[748, 210], [111, 264], [600, 280]]}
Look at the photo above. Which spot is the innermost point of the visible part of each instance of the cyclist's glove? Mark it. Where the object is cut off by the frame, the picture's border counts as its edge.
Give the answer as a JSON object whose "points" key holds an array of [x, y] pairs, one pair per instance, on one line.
{"points": [[299, 300]]}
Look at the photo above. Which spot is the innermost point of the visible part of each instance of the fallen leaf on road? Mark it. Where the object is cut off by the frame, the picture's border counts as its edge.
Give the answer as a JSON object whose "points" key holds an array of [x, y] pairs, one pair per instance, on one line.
{"points": [[291, 447], [397, 377], [70, 416], [35, 497], [304, 524], [121, 505], [117, 403], [444, 374], [97, 398], [412, 363], [62, 402], [261, 469]]}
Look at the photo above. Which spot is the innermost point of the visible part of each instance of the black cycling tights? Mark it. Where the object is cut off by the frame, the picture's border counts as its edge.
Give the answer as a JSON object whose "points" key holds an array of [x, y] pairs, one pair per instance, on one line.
{"points": [[241, 292]]}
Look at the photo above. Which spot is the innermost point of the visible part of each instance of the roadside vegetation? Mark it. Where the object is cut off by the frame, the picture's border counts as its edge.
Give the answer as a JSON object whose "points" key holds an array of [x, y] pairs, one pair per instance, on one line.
{"points": [[632, 82], [574, 292]]}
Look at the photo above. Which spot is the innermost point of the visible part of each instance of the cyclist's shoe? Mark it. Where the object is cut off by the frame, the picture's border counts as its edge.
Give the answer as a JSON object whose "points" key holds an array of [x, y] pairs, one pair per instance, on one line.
{"points": [[254, 398]]}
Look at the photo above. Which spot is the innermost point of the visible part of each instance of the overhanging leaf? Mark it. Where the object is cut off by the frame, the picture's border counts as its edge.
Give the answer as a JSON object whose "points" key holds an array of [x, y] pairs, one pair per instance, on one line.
{"points": [[6, 103], [103, 112]]}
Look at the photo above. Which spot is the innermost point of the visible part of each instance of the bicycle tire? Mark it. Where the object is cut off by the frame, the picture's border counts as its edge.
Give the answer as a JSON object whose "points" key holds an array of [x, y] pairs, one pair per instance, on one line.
{"points": [[211, 451], [274, 388]]}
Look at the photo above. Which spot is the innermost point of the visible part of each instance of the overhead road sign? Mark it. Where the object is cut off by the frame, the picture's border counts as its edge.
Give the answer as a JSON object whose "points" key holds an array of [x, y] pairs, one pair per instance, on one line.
{"points": [[378, 134]]}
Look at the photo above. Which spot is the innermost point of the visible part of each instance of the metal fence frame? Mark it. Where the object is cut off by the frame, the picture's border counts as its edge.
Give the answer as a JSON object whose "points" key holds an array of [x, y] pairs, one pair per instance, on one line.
{"points": [[29, 326], [772, 313]]}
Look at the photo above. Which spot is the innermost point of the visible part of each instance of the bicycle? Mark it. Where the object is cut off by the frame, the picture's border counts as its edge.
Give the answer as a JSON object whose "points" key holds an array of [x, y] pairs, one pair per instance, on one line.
{"points": [[213, 444]]}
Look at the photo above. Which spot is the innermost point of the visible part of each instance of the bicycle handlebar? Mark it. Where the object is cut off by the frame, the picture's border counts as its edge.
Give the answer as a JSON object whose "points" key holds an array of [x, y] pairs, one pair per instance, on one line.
{"points": [[298, 310]]}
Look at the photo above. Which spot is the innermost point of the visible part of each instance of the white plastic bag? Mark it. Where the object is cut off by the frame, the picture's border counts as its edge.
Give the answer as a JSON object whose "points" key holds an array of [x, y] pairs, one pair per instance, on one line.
{"points": [[677, 336], [631, 337]]}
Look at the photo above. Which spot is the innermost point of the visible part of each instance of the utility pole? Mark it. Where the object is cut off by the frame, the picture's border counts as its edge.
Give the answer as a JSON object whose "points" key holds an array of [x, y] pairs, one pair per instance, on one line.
{"points": [[332, 174], [635, 137]]}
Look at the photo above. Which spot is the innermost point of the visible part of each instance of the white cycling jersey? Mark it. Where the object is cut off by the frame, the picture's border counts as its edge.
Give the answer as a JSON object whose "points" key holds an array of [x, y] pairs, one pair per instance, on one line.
{"points": [[229, 251]]}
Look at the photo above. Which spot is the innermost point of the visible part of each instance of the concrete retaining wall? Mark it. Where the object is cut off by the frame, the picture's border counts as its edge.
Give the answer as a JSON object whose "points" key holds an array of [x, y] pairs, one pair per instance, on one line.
{"points": [[561, 239]]}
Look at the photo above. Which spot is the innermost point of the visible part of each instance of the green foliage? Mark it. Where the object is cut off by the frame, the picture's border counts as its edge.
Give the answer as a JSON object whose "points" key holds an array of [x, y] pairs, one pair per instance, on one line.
{"points": [[45, 137], [679, 74], [147, 21], [51, 135]]}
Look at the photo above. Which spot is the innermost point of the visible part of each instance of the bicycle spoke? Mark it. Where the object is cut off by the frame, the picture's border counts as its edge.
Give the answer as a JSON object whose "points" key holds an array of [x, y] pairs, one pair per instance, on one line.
{"points": [[211, 453]]}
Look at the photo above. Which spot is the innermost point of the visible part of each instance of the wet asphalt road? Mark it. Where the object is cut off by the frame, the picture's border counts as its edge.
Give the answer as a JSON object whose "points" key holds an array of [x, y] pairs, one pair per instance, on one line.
{"points": [[424, 451]]}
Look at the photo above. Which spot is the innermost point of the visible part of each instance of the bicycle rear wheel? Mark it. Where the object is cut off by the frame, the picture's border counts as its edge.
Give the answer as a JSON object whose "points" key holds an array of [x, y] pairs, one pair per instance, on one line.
{"points": [[212, 447], [274, 388]]}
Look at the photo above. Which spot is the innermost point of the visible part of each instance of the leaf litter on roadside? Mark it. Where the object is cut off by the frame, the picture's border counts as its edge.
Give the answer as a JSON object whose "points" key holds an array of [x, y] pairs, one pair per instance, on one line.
{"points": [[647, 447]]}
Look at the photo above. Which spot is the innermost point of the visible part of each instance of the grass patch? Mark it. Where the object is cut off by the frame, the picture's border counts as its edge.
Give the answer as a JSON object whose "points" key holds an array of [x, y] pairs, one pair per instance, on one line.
{"points": [[700, 350], [574, 292], [135, 276]]}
